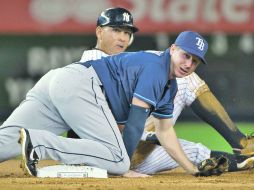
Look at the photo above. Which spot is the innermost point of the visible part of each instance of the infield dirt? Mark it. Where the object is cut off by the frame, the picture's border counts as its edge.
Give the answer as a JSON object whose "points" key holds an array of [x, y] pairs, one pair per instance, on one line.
{"points": [[12, 177]]}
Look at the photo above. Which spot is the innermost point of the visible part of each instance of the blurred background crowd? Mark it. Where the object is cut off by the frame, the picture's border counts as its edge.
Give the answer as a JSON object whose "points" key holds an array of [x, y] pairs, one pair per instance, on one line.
{"points": [[39, 35]]}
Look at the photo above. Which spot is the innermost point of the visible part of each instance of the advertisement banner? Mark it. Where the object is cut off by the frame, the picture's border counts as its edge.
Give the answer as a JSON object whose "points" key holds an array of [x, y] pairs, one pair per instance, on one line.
{"points": [[25, 58], [79, 16]]}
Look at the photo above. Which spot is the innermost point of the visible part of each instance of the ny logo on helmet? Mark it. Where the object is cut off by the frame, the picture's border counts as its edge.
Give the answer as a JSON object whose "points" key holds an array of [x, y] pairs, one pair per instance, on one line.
{"points": [[200, 43], [126, 17]]}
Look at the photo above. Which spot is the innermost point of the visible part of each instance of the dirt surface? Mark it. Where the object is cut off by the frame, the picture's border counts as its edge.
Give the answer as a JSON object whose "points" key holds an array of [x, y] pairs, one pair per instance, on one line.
{"points": [[12, 177]]}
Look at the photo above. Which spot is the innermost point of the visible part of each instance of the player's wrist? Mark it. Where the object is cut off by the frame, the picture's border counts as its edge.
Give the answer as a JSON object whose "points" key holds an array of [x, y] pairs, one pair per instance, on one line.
{"points": [[192, 170]]}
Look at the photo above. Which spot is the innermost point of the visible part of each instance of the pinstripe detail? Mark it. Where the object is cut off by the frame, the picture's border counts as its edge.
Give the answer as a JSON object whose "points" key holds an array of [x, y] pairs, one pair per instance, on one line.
{"points": [[186, 94], [159, 160], [94, 54]]}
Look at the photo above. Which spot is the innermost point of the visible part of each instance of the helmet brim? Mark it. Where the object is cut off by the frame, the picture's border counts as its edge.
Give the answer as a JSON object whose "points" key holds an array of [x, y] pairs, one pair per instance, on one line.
{"points": [[133, 28]]}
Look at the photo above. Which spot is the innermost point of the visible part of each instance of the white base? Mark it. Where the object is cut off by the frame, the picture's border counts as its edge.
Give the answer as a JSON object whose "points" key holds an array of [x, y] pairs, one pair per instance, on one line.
{"points": [[68, 171]]}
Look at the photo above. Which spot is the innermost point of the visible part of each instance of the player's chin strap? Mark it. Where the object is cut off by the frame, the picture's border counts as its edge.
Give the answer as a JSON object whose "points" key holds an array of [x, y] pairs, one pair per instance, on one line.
{"points": [[131, 39], [208, 108]]}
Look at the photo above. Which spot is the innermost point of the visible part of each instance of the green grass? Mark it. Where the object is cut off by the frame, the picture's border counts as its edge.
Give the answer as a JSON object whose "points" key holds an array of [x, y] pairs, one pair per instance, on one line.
{"points": [[202, 132], [205, 134]]}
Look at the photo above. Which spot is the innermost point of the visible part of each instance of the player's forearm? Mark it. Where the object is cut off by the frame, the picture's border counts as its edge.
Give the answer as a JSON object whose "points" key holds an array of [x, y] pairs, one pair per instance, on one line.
{"points": [[134, 126], [208, 108], [168, 139]]}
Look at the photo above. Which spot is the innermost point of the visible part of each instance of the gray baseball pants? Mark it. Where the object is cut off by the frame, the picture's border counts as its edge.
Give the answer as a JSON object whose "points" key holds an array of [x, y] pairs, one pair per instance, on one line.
{"points": [[63, 99]]}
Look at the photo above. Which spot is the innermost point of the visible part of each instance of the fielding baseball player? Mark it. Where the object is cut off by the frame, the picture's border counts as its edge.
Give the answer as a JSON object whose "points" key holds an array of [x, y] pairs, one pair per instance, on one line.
{"points": [[113, 37], [192, 91], [106, 43], [116, 45], [73, 97]]}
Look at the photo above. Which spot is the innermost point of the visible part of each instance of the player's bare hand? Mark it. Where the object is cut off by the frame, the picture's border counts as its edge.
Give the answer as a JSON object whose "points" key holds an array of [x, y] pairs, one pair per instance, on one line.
{"points": [[131, 173], [193, 170]]}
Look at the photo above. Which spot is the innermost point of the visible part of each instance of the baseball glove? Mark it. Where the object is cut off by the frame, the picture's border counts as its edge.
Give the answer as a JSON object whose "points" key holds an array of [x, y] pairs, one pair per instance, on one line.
{"points": [[213, 166]]}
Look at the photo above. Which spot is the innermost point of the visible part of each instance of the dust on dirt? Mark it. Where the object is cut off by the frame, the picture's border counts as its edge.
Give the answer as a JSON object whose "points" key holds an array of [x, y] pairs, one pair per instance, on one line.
{"points": [[12, 177]]}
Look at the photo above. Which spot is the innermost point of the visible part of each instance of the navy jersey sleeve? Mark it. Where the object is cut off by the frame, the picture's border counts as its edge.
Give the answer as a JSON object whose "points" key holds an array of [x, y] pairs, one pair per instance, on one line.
{"points": [[164, 110], [150, 84]]}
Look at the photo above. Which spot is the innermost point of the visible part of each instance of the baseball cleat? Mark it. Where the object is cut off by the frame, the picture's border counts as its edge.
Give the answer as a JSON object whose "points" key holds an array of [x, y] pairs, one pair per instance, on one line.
{"points": [[247, 164], [28, 162]]}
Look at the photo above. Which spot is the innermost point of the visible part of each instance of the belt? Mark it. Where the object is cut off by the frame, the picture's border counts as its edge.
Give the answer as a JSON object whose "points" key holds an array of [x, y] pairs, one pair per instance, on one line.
{"points": [[86, 64]]}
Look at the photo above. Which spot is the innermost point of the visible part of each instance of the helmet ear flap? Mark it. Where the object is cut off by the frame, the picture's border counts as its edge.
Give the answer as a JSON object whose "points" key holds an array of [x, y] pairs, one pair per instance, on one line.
{"points": [[131, 39]]}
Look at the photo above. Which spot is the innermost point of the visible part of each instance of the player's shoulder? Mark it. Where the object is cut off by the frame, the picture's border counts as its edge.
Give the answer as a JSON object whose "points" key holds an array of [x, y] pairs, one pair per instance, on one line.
{"points": [[142, 53], [154, 53], [135, 57], [151, 56], [148, 60], [192, 82], [192, 76], [92, 54]]}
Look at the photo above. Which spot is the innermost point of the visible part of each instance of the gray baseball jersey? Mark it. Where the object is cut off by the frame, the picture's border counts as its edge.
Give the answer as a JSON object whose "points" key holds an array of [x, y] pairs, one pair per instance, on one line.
{"points": [[62, 98], [9, 131]]}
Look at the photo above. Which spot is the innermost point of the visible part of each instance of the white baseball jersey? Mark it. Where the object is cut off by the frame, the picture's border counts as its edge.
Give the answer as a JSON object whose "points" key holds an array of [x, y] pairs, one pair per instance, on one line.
{"points": [[92, 55], [159, 160], [186, 94]]}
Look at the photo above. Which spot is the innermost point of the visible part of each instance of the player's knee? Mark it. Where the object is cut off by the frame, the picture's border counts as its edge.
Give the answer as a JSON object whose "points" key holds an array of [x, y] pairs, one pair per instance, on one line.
{"points": [[121, 167], [125, 166]]}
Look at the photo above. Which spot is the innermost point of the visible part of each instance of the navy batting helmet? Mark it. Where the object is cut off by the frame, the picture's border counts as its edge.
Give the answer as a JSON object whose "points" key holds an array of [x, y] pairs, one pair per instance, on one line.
{"points": [[116, 17]]}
